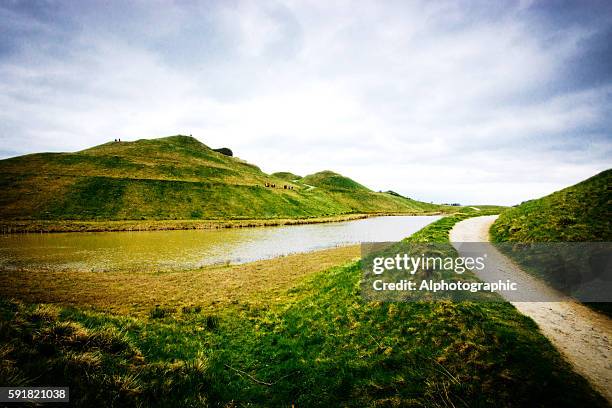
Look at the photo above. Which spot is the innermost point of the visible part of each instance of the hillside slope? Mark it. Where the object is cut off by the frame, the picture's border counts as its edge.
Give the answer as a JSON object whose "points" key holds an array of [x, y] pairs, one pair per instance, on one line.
{"points": [[578, 213], [286, 175], [332, 181], [175, 177]]}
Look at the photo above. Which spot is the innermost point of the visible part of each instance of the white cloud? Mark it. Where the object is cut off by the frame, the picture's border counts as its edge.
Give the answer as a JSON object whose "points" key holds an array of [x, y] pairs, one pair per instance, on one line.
{"points": [[422, 98]]}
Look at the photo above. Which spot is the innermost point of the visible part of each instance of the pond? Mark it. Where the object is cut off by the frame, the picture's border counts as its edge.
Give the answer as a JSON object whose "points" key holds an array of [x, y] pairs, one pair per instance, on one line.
{"points": [[189, 249]]}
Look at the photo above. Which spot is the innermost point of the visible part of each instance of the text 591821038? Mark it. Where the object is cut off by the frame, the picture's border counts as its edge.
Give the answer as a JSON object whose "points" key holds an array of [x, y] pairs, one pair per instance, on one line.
{"points": [[34, 394]]}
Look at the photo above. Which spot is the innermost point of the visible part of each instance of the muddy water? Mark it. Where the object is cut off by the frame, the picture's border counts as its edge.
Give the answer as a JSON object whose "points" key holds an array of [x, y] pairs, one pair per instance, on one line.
{"points": [[176, 250]]}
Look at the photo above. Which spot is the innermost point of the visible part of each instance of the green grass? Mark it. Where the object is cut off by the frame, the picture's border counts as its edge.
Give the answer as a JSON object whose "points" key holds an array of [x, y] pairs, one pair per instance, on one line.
{"points": [[96, 357], [286, 175], [580, 213], [317, 344], [179, 178], [333, 181]]}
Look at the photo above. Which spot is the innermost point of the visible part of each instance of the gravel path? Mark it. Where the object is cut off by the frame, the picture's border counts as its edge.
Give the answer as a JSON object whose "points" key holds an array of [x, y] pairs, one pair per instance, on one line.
{"points": [[583, 336]]}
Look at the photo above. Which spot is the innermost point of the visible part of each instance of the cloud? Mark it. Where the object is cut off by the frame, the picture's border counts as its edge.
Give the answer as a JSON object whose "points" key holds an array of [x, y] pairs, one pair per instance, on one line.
{"points": [[442, 101]]}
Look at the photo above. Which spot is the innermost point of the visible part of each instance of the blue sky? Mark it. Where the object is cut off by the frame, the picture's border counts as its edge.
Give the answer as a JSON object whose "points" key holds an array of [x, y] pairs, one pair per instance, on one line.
{"points": [[476, 102]]}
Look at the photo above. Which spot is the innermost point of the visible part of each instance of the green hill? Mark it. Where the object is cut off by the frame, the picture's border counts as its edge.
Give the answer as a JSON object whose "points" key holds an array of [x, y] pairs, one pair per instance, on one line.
{"points": [[578, 213], [332, 181], [285, 175], [174, 177]]}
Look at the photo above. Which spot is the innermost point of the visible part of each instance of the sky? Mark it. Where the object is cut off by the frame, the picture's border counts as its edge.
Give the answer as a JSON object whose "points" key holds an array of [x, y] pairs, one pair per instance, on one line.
{"points": [[476, 102]]}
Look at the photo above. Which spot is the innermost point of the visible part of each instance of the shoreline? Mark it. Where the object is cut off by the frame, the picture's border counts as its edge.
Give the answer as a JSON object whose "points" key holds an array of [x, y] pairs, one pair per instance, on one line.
{"points": [[137, 292], [44, 226]]}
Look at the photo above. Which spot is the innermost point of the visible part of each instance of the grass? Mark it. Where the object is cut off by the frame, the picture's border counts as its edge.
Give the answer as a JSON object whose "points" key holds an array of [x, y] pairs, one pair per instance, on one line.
{"points": [[341, 351], [136, 293], [333, 181], [43, 344], [314, 343], [286, 175], [150, 225], [579, 213], [175, 178]]}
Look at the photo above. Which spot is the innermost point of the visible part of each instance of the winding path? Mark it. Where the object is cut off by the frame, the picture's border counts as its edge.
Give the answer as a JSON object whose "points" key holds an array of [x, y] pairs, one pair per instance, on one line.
{"points": [[582, 335], [304, 184]]}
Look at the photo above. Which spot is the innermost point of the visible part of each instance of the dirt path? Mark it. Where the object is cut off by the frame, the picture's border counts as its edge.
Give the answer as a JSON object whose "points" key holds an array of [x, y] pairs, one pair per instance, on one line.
{"points": [[583, 336]]}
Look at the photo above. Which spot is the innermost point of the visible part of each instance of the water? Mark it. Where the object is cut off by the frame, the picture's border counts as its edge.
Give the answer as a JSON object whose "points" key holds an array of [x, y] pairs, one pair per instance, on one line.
{"points": [[188, 249]]}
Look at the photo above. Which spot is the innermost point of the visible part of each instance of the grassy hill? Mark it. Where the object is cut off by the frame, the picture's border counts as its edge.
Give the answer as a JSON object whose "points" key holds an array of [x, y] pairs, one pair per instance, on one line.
{"points": [[174, 177], [579, 213], [286, 175], [333, 181]]}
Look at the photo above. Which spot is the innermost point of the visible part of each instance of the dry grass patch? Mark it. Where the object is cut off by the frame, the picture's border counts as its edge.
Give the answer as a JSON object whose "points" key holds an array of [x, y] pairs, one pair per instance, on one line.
{"points": [[138, 292]]}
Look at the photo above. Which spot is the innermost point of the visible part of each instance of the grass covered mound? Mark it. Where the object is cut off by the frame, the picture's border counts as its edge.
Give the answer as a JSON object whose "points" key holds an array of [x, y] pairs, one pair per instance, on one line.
{"points": [[285, 175], [317, 344], [333, 181], [580, 213], [324, 347], [175, 178]]}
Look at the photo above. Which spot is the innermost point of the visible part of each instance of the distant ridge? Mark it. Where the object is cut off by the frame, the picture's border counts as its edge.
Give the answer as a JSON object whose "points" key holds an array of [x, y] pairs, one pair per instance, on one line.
{"points": [[333, 181], [175, 177], [285, 175]]}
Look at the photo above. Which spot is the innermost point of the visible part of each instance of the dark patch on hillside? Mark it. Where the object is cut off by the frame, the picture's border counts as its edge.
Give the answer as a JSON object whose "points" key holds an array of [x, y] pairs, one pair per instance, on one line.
{"points": [[224, 151]]}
